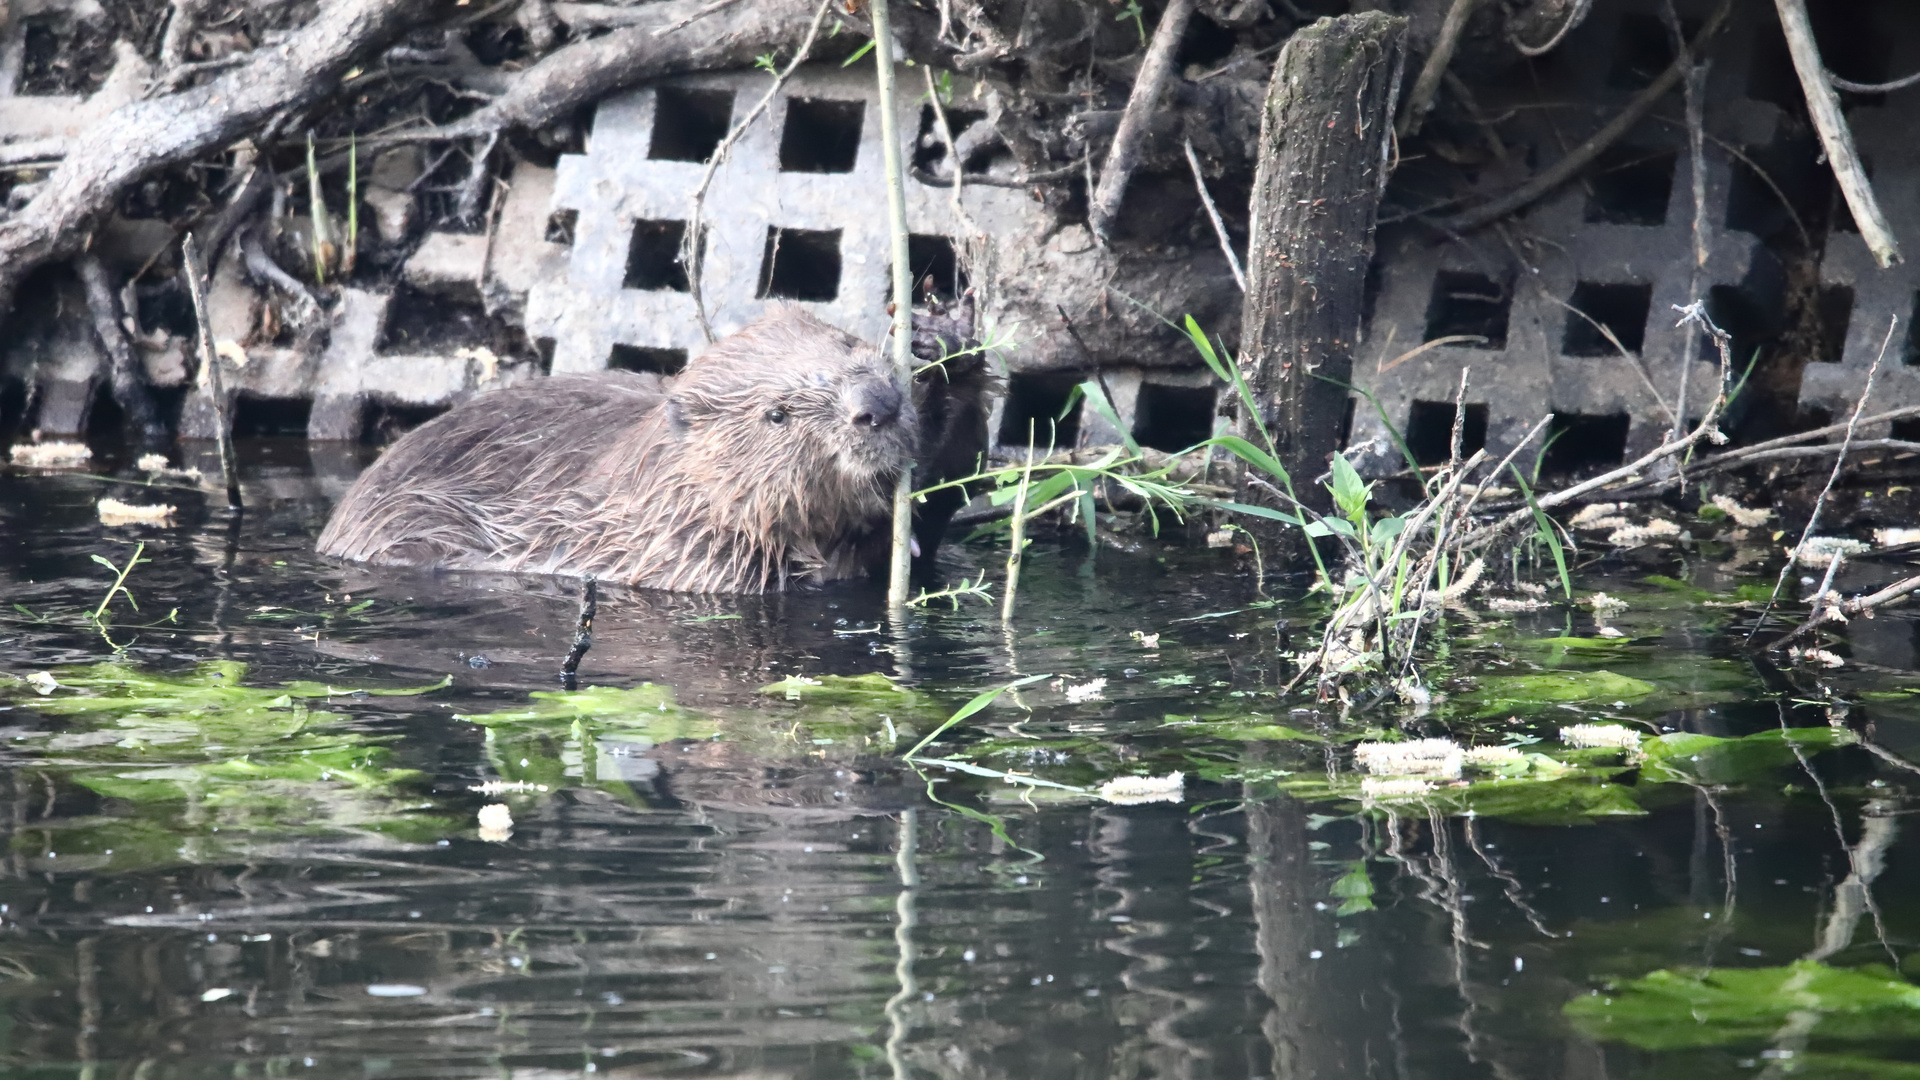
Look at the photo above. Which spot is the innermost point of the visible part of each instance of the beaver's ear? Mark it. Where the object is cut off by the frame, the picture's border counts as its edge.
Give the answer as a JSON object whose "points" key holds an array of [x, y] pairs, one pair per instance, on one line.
{"points": [[685, 410]]}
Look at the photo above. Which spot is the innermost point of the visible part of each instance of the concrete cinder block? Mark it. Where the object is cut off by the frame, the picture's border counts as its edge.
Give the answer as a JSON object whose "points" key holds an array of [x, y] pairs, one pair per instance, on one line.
{"points": [[1609, 242], [1868, 297]]}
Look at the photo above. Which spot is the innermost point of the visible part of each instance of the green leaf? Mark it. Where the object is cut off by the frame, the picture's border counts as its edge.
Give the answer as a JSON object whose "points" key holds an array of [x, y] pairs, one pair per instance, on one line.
{"points": [[1387, 528], [858, 53], [1252, 511], [980, 701], [1252, 455], [1349, 491], [1544, 528]]}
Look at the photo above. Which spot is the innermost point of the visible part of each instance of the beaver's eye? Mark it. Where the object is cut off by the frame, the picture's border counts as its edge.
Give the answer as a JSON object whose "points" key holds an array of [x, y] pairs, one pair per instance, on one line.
{"points": [[776, 416]]}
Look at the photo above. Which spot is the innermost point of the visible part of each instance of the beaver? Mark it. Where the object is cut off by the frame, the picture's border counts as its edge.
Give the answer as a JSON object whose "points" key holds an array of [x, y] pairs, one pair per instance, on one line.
{"points": [[769, 461]]}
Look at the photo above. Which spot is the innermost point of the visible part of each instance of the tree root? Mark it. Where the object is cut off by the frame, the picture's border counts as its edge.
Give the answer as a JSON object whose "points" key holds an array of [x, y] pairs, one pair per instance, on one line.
{"points": [[143, 136]]}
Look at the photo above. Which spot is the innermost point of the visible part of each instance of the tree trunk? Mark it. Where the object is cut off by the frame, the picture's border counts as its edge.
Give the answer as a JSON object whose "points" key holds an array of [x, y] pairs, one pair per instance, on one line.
{"points": [[1324, 142]]}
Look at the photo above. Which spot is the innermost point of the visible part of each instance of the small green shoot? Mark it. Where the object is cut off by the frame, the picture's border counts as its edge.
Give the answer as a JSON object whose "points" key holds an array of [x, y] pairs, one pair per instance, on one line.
{"points": [[120, 580], [976, 587], [1132, 11], [980, 701], [1543, 526]]}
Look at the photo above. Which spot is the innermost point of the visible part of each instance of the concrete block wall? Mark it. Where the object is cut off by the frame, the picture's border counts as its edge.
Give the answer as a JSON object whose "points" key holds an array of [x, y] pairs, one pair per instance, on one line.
{"points": [[1616, 244], [1860, 302]]}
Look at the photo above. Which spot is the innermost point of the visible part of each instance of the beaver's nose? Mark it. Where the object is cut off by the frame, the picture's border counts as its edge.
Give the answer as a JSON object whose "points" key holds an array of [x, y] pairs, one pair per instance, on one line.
{"points": [[876, 405]]}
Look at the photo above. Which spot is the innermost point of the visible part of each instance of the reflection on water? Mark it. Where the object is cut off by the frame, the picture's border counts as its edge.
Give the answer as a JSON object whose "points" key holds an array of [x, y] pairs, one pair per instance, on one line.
{"points": [[242, 839]]}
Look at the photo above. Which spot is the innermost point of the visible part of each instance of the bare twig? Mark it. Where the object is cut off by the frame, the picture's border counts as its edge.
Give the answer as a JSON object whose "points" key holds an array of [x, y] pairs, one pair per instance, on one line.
{"points": [[901, 561], [1213, 215], [1574, 18], [1872, 88], [1819, 504], [1124, 154], [693, 247], [1693, 89], [1420, 99], [1583, 155], [195, 269], [1823, 105]]}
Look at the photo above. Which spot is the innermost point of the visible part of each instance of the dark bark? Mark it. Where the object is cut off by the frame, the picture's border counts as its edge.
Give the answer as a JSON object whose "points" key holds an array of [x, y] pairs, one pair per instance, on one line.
{"points": [[1323, 146], [143, 136], [129, 381]]}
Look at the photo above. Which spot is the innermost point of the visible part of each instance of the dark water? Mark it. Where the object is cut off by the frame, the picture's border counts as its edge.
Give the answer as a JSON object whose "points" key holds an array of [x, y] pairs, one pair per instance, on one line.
{"points": [[231, 854]]}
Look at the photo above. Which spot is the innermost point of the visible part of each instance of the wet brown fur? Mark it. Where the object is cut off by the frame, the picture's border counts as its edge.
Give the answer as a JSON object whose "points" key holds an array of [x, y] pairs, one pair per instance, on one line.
{"points": [[678, 483]]}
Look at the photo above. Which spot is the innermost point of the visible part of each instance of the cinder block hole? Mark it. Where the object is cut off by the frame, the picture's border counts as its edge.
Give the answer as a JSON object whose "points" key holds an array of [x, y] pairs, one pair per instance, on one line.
{"points": [[1910, 353], [1205, 42], [1042, 402], [1621, 308], [1173, 418], [266, 417], [13, 407], [164, 195], [166, 306], [40, 69], [936, 269], [1631, 186], [1736, 311], [382, 422], [689, 124], [419, 321], [1430, 431], [641, 358], [1346, 422], [801, 264], [1770, 74], [1642, 49], [1579, 444], [1470, 304], [1834, 311], [560, 227], [931, 147], [821, 135], [106, 422], [654, 257], [1796, 182], [1907, 430], [543, 354]]}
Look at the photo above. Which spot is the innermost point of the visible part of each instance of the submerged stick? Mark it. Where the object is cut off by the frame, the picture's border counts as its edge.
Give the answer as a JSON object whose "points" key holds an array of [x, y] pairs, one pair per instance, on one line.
{"points": [[128, 378], [195, 268], [582, 630], [900, 563], [1836, 138]]}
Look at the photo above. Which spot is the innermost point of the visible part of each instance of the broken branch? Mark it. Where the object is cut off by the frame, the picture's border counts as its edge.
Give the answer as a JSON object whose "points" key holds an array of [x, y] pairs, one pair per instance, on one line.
{"points": [[1128, 139], [1823, 105]]}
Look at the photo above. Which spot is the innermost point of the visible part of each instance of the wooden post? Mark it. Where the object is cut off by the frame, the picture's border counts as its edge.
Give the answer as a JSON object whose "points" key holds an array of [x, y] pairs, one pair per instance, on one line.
{"points": [[1325, 140]]}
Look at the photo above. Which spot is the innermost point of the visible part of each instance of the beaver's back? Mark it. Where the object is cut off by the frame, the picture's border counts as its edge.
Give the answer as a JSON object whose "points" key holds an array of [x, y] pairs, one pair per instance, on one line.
{"points": [[472, 487]]}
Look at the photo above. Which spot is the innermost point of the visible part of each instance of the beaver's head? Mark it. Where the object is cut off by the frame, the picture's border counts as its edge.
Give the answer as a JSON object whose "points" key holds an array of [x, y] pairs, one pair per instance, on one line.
{"points": [[792, 402]]}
